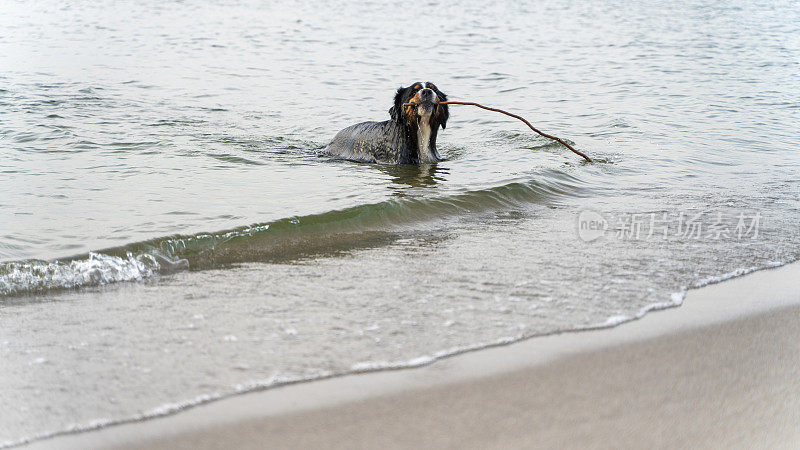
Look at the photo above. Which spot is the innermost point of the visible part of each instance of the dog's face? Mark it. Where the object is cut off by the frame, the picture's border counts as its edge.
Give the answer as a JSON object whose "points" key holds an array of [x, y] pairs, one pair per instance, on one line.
{"points": [[425, 98]]}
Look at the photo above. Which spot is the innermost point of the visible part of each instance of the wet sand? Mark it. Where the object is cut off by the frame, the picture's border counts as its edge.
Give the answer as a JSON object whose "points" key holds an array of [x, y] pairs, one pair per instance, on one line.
{"points": [[723, 370]]}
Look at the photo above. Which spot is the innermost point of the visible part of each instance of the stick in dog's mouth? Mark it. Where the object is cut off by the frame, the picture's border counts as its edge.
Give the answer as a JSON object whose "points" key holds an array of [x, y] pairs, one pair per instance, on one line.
{"points": [[422, 109], [425, 107], [508, 114], [426, 104]]}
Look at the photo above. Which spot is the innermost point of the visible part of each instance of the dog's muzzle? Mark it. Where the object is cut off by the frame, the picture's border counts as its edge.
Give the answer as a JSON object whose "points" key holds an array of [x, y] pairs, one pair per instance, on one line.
{"points": [[426, 99]]}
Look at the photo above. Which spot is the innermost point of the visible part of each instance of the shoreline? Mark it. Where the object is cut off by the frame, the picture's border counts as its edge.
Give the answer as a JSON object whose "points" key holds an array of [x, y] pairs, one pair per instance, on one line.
{"points": [[517, 393]]}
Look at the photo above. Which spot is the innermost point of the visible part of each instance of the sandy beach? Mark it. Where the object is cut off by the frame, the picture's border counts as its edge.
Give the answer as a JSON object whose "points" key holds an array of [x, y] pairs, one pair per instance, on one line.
{"points": [[719, 372]]}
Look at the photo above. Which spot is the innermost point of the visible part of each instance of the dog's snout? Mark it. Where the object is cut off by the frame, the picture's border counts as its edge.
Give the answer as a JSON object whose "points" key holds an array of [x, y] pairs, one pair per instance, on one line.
{"points": [[426, 93]]}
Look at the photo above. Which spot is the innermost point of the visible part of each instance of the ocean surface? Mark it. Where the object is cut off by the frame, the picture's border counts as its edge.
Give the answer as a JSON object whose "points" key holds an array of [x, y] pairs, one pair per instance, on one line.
{"points": [[171, 234]]}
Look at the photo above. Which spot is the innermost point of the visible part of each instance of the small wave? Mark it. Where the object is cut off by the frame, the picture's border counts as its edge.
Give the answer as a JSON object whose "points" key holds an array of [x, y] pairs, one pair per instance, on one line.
{"points": [[282, 239], [737, 273], [38, 276]]}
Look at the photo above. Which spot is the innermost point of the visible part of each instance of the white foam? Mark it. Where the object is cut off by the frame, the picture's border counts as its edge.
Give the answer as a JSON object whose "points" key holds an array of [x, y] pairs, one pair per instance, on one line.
{"points": [[616, 320], [736, 273], [97, 269]]}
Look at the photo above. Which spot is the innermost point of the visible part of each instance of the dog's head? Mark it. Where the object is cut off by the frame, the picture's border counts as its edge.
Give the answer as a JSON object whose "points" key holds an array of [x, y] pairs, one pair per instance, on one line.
{"points": [[425, 97]]}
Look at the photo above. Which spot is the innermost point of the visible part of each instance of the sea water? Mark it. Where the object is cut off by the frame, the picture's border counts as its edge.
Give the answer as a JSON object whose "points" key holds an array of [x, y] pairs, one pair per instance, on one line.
{"points": [[170, 233]]}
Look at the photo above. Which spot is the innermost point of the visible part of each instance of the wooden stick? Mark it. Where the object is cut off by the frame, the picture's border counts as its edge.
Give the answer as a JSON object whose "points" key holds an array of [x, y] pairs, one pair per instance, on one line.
{"points": [[514, 116]]}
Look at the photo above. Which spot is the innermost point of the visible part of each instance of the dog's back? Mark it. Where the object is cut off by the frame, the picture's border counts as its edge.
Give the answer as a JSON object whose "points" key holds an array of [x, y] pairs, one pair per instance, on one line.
{"points": [[381, 142]]}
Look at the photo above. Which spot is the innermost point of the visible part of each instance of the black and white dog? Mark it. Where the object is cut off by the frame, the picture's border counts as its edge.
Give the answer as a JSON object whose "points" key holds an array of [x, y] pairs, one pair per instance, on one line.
{"points": [[408, 138]]}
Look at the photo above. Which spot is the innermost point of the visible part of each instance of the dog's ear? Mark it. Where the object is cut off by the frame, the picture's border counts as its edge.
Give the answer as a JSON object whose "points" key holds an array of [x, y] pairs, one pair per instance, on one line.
{"points": [[443, 112], [396, 110]]}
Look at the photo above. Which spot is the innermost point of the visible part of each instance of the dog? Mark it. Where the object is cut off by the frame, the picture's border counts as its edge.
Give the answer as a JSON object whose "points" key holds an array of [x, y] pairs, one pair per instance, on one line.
{"points": [[409, 137]]}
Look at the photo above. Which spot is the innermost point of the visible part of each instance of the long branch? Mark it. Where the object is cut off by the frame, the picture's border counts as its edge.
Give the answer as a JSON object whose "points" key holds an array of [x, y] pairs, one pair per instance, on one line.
{"points": [[516, 117]]}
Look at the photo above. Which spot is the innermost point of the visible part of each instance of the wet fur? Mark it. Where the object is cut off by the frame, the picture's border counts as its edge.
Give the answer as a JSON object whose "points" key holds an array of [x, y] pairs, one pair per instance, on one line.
{"points": [[397, 140]]}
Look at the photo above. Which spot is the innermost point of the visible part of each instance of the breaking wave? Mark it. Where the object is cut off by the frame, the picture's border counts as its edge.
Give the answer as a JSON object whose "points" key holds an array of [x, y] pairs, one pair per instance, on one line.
{"points": [[283, 238]]}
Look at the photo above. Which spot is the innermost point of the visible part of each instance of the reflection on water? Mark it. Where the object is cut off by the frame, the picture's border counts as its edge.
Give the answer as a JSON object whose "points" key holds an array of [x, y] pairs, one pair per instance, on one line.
{"points": [[414, 176]]}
